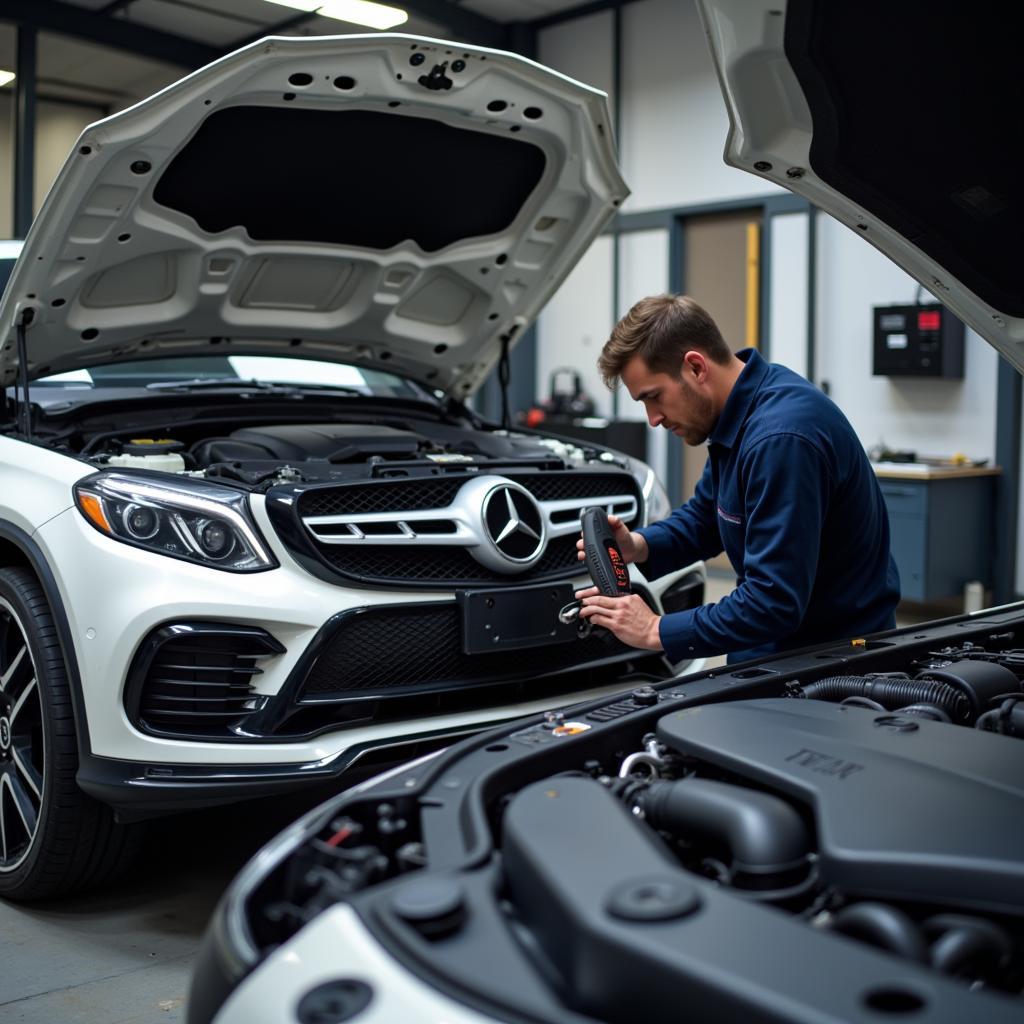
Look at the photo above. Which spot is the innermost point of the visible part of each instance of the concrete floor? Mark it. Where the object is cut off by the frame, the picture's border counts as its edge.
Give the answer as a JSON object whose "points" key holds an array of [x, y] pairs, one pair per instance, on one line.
{"points": [[124, 955]]}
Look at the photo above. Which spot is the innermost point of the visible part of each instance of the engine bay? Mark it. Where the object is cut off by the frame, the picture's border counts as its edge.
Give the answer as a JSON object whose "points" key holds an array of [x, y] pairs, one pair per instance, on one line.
{"points": [[735, 841], [271, 446]]}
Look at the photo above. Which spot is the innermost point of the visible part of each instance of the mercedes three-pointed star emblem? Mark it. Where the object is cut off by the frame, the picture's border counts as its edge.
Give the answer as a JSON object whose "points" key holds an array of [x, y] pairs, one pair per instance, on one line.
{"points": [[513, 523]]}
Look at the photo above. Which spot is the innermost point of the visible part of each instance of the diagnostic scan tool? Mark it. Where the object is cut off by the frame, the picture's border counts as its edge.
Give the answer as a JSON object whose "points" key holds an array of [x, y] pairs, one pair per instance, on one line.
{"points": [[604, 562]]}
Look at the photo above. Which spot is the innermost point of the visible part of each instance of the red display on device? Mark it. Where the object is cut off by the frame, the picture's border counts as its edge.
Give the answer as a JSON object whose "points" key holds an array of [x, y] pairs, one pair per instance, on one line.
{"points": [[619, 568], [929, 320]]}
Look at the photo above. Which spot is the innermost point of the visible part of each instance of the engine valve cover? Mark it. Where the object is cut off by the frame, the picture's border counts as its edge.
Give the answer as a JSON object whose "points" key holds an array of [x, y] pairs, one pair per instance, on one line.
{"points": [[905, 808]]}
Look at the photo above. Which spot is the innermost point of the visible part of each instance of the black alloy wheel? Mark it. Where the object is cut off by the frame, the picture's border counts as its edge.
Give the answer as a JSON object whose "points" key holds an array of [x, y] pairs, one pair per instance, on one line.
{"points": [[22, 744], [53, 838]]}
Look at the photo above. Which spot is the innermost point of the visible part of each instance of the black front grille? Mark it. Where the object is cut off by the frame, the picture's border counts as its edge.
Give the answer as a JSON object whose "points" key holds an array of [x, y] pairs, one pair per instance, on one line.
{"points": [[427, 563], [562, 486], [391, 650], [196, 678], [358, 499], [441, 565]]}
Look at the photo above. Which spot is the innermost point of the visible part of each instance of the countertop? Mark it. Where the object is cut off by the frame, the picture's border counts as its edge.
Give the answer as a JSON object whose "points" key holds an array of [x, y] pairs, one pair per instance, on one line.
{"points": [[925, 471]]}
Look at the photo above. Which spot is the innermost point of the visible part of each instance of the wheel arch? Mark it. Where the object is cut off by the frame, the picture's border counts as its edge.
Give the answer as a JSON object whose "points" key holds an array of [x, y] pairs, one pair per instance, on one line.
{"points": [[18, 549]]}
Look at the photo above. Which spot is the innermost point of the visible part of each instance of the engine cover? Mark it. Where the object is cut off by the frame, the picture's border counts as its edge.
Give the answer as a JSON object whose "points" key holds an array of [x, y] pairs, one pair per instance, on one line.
{"points": [[904, 807]]}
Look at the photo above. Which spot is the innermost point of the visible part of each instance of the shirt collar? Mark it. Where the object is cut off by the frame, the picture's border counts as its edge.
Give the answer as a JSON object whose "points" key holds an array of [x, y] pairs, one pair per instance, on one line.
{"points": [[737, 405]]}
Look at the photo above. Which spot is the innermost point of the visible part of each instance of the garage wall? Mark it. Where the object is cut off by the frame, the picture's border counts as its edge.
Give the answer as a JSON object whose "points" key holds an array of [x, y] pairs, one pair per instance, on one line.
{"points": [[787, 301], [58, 126], [932, 417], [674, 120], [576, 322], [581, 49]]}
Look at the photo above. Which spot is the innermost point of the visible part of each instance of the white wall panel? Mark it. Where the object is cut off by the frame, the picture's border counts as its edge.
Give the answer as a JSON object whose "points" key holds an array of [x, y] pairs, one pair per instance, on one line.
{"points": [[931, 417], [674, 120], [788, 295], [58, 126], [576, 323], [643, 270], [581, 49]]}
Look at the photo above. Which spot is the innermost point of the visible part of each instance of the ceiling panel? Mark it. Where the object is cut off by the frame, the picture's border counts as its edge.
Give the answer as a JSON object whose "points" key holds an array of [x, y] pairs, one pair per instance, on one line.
{"points": [[198, 22], [92, 5], [518, 10], [68, 66]]}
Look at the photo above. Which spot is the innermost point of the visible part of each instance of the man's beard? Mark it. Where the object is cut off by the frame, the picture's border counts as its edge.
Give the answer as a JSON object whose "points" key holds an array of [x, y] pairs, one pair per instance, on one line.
{"points": [[702, 416]]}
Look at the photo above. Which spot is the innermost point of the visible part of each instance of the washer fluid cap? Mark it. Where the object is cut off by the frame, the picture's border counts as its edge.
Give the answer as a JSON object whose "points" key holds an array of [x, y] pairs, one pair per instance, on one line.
{"points": [[151, 446]]}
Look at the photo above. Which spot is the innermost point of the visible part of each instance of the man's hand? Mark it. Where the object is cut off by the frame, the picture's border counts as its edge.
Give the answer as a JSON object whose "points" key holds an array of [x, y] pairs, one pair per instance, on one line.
{"points": [[632, 545], [628, 617]]}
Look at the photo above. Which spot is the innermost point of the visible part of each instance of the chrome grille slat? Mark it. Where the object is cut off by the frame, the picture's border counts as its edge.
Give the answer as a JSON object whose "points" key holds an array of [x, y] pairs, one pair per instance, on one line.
{"points": [[431, 531], [560, 517]]}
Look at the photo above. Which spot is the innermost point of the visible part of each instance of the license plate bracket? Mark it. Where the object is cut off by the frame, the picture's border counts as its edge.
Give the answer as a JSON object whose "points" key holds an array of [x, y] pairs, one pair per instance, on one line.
{"points": [[513, 618]]}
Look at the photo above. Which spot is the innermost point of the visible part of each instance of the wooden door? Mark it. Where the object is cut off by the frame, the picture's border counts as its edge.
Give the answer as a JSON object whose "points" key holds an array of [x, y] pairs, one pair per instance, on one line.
{"points": [[721, 267]]}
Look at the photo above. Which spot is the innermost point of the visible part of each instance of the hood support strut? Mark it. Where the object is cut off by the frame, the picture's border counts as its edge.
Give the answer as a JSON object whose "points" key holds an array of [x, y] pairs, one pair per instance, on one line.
{"points": [[503, 379], [24, 410]]}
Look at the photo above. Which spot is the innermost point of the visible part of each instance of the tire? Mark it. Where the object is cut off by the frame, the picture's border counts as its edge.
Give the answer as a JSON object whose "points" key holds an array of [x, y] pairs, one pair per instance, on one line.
{"points": [[53, 837]]}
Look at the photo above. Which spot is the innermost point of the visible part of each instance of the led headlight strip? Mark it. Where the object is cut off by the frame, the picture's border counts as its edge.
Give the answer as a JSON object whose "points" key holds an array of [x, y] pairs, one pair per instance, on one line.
{"points": [[656, 501], [199, 523]]}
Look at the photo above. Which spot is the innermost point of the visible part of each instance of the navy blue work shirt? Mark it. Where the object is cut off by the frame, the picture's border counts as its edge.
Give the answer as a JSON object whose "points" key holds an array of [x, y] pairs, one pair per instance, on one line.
{"points": [[789, 495]]}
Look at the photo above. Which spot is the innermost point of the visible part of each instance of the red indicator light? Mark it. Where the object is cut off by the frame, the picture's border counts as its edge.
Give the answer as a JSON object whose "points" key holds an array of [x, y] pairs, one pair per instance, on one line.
{"points": [[931, 320]]}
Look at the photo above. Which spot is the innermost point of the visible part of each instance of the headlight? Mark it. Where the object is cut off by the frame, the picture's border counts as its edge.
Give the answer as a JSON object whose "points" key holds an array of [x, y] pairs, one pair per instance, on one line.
{"points": [[199, 523], [656, 503]]}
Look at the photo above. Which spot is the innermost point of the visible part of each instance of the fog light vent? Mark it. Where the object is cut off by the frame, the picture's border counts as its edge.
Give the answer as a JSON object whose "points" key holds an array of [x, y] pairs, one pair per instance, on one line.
{"points": [[195, 678]]}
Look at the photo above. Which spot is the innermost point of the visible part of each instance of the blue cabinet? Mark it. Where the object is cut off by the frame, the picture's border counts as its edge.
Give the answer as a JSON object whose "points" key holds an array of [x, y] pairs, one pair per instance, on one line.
{"points": [[941, 526]]}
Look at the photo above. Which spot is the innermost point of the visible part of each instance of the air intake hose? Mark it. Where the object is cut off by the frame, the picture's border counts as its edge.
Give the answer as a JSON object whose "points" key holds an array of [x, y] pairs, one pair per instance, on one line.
{"points": [[882, 926], [765, 835], [892, 693], [963, 942]]}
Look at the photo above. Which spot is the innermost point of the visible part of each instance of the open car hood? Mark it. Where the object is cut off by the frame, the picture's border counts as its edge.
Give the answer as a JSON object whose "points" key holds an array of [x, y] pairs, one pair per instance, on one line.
{"points": [[882, 115], [384, 200]]}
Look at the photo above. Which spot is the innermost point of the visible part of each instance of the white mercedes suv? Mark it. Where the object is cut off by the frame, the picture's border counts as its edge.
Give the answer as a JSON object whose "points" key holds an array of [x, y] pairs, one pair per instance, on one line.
{"points": [[250, 532]]}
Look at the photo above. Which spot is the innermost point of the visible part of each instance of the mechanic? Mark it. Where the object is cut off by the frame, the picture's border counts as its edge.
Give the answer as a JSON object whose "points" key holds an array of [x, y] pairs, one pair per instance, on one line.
{"points": [[787, 492]]}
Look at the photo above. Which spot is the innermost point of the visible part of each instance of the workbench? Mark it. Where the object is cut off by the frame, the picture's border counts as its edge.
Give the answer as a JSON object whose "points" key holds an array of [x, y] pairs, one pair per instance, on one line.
{"points": [[941, 521]]}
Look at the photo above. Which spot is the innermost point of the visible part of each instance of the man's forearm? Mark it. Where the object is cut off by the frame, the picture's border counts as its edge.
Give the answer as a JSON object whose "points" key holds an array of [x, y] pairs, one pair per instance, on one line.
{"points": [[640, 549]]}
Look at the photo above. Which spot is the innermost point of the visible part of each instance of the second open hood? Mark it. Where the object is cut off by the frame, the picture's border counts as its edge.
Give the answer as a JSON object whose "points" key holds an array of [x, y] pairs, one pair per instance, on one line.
{"points": [[892, 118]]}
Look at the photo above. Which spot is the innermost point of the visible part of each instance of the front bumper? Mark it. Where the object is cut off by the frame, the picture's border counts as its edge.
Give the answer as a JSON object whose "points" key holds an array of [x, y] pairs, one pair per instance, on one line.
{"points": [[115, 596], [137, 791]]}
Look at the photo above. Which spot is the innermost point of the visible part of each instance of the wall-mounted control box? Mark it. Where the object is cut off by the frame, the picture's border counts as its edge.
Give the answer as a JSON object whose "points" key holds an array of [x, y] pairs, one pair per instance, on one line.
{"points": [[918, 341]]}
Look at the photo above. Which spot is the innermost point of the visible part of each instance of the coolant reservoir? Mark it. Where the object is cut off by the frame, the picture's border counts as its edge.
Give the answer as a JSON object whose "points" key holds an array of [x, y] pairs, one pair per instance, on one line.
{"points": [[161, 454]]}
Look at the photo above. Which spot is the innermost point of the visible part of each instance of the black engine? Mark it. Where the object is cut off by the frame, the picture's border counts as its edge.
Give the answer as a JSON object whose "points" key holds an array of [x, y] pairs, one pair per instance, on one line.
{"points": [[831, 835]]}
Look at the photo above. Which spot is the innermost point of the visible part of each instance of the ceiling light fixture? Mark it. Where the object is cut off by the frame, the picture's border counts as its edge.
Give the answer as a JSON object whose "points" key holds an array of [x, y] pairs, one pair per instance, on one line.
{"points": [[359, 12], [6, 77]]}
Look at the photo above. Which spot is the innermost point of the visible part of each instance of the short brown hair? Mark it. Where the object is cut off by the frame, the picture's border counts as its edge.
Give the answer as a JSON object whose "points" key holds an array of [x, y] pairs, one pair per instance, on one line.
{"points": [[660, 329]]}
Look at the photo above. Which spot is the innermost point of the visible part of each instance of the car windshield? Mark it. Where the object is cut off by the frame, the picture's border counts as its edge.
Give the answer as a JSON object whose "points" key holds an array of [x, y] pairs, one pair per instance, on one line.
{"points": [[208, 371]]}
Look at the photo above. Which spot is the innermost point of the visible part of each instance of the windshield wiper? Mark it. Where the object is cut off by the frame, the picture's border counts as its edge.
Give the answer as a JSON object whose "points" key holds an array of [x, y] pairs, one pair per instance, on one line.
{"points": [[235, 384]]}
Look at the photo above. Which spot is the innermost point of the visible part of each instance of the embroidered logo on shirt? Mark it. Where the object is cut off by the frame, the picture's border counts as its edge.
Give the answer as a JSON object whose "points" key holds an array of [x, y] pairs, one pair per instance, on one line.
{"points": [[729, 517]]}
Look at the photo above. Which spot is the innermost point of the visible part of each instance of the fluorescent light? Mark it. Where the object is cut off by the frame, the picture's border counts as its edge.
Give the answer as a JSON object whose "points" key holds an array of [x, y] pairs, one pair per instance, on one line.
{"points": [[359, 12], [364, 12], [8, 76]]}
